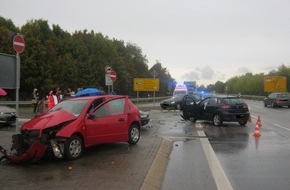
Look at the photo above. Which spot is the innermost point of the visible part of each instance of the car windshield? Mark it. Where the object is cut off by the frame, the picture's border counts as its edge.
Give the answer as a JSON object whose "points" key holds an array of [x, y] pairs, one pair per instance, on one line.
{"points": [[178, 96], [74, 107]]}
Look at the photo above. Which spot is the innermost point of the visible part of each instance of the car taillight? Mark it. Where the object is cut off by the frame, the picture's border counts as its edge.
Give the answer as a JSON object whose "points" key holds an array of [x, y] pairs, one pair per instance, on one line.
{"points": [[277, 100], [226, 107]]}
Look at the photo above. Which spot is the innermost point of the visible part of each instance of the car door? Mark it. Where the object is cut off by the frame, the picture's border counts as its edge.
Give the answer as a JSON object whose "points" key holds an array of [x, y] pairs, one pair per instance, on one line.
{"points": [[210, 108], [270, 99], [108, 123], [189, 107], [202, 108]]}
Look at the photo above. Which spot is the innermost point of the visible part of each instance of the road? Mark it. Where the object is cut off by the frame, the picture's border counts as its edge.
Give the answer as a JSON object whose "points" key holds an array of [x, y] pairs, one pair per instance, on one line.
{"points": [[172, 154], [248, 162]]}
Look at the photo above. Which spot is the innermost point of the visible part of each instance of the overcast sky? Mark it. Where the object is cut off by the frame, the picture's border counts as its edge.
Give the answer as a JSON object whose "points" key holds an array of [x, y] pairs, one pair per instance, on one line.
{"points": [[196, 40]]}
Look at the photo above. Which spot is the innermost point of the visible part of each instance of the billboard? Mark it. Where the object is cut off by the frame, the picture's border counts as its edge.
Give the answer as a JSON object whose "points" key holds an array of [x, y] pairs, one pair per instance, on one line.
{"points": [[7, 71], [275, 84], [146, 84]]}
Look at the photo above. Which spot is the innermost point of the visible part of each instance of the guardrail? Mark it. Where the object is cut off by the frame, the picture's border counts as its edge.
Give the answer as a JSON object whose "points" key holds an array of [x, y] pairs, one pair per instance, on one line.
{"points": [[135, 100]]}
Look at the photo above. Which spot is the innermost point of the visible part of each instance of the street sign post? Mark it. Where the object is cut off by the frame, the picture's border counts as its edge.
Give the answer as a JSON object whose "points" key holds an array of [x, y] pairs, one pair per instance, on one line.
{"points": [[18, 43]]}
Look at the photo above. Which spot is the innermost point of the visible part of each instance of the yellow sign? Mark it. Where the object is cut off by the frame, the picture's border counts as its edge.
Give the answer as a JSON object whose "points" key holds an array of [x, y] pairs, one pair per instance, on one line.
{"points": [[275, 84], [146, 84]]}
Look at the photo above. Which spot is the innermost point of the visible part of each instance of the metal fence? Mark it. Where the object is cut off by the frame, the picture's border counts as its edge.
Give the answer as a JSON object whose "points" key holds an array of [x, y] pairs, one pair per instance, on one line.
{"points": [[134, 100]]}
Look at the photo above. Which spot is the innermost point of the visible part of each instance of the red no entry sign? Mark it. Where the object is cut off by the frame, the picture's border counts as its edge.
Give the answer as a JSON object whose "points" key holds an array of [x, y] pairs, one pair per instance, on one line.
{"points": [[113, 75], [18, 43]]}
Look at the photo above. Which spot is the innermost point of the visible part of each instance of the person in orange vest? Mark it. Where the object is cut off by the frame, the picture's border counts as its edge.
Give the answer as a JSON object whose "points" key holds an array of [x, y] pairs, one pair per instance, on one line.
{"points": [[50, 100]]}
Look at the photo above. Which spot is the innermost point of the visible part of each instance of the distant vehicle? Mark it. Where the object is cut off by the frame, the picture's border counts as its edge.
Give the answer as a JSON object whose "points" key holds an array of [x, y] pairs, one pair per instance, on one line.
{"points": [[175, 101], [217, 109], [75, 124], [277, 99], [180, 89], [7, 116], [145, 118]]}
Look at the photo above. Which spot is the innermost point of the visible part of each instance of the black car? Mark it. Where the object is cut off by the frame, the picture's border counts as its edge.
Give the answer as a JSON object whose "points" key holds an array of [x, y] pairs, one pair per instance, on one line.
{"points": [[175, 101], [217, 109], [278, 99], [7, 116]]}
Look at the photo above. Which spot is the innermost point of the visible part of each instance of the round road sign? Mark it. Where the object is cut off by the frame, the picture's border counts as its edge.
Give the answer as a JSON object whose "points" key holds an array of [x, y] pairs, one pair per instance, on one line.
{"points": [[113, 75], [18, 43]]}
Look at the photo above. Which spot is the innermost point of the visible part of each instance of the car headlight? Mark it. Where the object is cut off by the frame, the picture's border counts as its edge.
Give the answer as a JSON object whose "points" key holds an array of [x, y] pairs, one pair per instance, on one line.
{"points": [[144, 116]]}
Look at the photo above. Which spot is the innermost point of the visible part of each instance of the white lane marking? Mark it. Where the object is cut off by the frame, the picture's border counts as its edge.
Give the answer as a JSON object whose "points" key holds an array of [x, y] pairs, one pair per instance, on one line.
{"points": [[219, 174], [282, 127]]}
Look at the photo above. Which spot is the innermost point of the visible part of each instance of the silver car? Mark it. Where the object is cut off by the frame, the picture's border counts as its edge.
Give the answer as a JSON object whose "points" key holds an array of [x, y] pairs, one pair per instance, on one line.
{"points": [[278, 99], [7, 116]]}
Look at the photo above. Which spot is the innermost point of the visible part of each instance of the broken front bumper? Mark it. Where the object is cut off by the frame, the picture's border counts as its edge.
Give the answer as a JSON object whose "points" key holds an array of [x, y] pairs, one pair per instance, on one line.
{"points": [[32, 154]]}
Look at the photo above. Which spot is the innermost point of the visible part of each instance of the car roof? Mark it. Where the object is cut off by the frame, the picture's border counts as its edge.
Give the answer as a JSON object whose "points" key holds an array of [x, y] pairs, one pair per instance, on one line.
{"points": [[223, 96]]}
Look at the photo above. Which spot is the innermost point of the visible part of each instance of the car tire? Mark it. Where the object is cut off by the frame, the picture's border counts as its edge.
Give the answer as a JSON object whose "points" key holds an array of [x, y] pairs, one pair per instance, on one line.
{"points": [[163, 107], [217, 120], [265, 105], [134, 134], [73, 148], [192, 119], [243, 123]]}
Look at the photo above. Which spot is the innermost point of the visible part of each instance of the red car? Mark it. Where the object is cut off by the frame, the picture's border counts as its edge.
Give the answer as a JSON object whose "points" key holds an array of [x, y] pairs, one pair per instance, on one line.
{"points": [[75, 124]]}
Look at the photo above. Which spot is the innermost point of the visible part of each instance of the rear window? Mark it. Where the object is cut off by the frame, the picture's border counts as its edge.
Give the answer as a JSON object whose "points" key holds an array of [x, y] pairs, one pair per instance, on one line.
{"points": [[232, 101], [286, 95]]}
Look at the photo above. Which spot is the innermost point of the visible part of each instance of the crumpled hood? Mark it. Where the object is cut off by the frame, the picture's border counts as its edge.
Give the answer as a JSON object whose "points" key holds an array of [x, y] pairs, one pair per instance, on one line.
{"points": [[48, 120]]}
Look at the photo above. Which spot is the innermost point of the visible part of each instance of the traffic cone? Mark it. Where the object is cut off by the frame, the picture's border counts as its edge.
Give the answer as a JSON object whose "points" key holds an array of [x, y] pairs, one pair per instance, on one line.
{"points": [[250, 118], [257, 131], [259, 121]]}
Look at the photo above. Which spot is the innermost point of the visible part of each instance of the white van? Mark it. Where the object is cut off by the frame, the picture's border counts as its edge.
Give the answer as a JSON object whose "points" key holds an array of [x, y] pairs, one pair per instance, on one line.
{"points": [[181, 89]]}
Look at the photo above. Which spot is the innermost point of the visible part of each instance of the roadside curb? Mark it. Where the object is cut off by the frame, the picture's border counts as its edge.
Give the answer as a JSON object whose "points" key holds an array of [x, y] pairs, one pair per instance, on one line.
{"points": [[155, 175]]}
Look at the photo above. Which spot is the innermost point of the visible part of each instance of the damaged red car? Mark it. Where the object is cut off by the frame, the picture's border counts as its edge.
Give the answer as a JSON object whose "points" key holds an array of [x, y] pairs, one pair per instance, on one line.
{"points": [[75, 124]]}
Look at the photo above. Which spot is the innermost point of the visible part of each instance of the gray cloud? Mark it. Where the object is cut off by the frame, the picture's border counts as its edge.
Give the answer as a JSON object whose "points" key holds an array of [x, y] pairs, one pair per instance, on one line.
{"points": [[243, 70], [204, 74]]}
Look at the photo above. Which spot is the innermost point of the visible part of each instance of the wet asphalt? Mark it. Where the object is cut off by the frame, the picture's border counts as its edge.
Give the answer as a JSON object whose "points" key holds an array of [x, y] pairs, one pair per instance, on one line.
{"points": [[170, 155]]}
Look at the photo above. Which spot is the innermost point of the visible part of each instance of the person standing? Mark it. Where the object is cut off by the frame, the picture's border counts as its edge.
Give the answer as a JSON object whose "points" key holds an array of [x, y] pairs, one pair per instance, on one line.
{"points": [[35, 98], [55, 96], [50, 100]]}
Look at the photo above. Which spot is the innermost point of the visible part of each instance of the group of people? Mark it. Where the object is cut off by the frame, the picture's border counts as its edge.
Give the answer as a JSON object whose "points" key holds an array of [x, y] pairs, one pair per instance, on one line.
{"points": [[54, 97]]}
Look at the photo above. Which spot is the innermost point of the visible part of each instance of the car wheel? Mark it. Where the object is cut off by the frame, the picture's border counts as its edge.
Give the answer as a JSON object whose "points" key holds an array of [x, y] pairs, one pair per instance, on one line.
{"points": [[243, 123], [163, 107], [192, 119], [134, 134], [217, 120], [265, 105], [178, 106], [73, 148]]}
